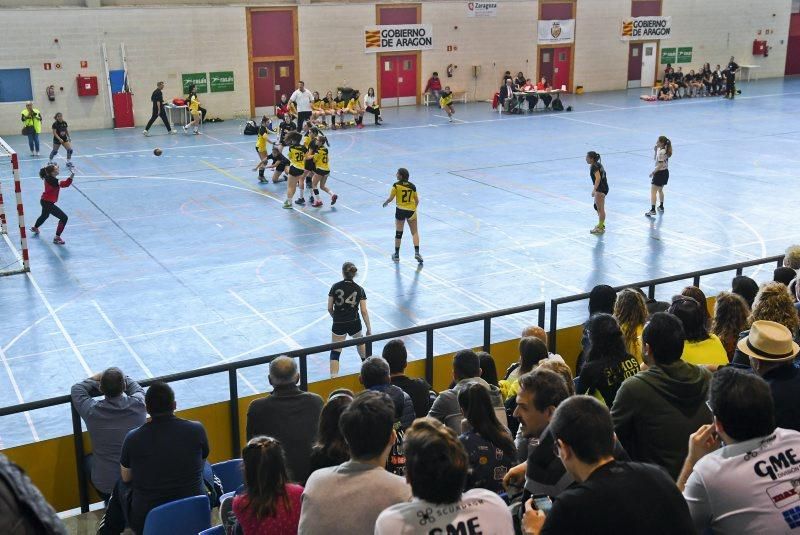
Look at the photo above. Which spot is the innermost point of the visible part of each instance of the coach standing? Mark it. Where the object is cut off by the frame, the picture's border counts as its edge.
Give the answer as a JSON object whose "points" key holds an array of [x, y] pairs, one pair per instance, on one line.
{"points": [[158, 110], [302, 99]]}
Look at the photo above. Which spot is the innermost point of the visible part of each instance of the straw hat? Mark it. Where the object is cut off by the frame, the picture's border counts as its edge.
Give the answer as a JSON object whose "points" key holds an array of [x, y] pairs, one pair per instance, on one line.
{"points": [[769, 341]]}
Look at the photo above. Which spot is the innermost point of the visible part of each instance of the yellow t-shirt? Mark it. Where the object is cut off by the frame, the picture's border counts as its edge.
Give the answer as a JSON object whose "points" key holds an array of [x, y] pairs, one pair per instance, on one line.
{"points": [[297, 156], [321, 159], [194, 104], [405, 194], [708, 352], [446, 100], [317, 105], [261, 142], [636, 348]]}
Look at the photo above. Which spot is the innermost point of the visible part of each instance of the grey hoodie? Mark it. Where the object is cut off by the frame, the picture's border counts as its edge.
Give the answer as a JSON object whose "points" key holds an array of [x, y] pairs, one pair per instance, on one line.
{"points": [[656, 410], [446, 409]]}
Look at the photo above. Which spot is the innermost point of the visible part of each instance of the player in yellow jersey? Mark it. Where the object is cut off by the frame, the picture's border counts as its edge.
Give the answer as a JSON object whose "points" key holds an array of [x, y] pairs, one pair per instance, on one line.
{"points": [[446, 103], [354, 107], [329, 106], [321, 170], [317, 109], [297, 158], [262, 138], [309, 134], [194, 109], [407, 201]]}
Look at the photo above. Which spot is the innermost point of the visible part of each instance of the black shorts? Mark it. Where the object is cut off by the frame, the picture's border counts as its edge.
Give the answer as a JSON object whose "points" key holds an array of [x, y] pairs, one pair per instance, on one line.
{"points": [[280, 167], [402, 215], [350, 328], [309, 165], [294, 171], [603, 188], [660, 178], [322, 172], [57, 142]]}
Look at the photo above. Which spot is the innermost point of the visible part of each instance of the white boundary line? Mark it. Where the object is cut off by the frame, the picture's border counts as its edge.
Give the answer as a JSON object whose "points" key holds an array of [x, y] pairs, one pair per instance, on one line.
{"points": [[222, 358], [292, 342], [122, 339], [18, 393]]}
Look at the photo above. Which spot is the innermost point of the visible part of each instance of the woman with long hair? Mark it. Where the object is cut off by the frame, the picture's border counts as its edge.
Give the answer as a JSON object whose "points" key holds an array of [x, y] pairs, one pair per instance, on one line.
{"points": [[488, 368], [52, 187], [698, 295], [345, 300], [660, 175], [630, 309], [701, 347], [599, 189], [488, 443], [608, 363], [331, 449], [730, 319], [372, 106], [406, 212], [270, 503]]}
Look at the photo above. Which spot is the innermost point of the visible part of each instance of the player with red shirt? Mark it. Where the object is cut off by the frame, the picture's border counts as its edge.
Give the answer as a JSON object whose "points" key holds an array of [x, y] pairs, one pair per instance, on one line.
{"points": [[52, 187]]}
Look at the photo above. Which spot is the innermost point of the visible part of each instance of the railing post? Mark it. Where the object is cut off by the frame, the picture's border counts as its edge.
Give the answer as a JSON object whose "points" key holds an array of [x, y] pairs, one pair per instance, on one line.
{"points": [[541, 317], [487, 334], [696, 281], [77, 435], [303, 372], [553, 325], [651, 291], [233, 405], [739, 271], [368, 349], [429, 356]]}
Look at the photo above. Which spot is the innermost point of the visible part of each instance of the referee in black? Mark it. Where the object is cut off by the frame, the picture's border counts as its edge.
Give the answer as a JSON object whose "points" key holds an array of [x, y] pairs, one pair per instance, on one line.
{"points": [[158, 110]]}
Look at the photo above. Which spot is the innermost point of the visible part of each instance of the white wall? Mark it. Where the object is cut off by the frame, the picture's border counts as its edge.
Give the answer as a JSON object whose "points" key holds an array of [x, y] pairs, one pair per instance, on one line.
{"points": [[161, 44]]}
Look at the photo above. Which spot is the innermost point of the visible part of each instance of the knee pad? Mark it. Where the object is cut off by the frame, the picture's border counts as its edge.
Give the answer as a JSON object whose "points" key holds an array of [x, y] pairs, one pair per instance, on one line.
{"points": [[69, 152], [398, 235], [335, 354]]}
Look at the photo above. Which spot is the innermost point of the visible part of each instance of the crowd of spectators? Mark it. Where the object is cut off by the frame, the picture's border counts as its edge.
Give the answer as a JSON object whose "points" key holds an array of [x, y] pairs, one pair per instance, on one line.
{"points": [[679, 419]]}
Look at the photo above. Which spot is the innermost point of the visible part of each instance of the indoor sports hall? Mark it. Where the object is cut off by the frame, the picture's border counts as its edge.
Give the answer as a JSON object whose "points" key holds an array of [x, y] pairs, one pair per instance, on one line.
{"points": [[178, 259]]}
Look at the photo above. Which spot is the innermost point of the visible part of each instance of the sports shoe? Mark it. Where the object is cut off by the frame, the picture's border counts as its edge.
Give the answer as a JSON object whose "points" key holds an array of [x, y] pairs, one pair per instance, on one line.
{"points": [[359, 126], [262, 179], [650, 213], [171, 131], [301, 201], [396, 257], [288, 205], [333, 199], [185, 129], [317, 203], [598, 230], [311, 200], [58, 241], [35, 230], [196, 132], [661, 208], [450, 119], [146, 133], [418, 257], [70, 165]]}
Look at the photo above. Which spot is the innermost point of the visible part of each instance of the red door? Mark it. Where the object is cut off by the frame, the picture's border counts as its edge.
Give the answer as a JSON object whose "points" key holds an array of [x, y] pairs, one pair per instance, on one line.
{"points": [[561, 62], [284, 79], [264, 85], [793, 46], [635, 65], [546, 65], [398, 80]]}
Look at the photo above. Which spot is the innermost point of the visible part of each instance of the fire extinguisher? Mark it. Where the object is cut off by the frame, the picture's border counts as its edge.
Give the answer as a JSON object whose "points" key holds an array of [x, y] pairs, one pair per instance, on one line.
{"points": [[450, 70], [51, 93]]}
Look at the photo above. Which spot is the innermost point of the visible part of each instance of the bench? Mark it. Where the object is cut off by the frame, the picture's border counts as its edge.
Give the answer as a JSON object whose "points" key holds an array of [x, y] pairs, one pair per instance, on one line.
{"points": [[461, 96]]}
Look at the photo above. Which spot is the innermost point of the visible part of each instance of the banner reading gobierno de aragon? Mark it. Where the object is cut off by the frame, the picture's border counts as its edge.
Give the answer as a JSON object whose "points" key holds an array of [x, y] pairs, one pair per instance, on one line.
{"points": [[398, 37], [646, 28]]}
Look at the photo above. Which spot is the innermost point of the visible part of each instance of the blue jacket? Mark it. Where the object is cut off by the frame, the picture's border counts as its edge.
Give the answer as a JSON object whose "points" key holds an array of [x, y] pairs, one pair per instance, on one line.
{"points": [[404, 407]]}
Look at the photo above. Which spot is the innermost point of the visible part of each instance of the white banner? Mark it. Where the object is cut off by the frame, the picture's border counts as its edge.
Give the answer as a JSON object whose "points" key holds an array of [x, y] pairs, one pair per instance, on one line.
{"points": [[397, 37], [649, 28], [481, 9], [556, 31]]}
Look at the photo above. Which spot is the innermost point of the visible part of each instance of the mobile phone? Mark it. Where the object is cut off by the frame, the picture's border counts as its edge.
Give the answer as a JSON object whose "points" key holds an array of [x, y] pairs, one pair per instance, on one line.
{"points": [[543, 503]]}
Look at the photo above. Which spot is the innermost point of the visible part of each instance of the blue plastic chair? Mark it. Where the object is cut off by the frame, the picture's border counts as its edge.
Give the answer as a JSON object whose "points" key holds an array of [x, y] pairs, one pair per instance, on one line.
{"points": [[188, 516], [216, 530], [229, 473]]}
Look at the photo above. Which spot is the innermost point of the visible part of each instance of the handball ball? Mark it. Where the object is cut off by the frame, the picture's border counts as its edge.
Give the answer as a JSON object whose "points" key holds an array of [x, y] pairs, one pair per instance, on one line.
{"points": [[157, 152]]}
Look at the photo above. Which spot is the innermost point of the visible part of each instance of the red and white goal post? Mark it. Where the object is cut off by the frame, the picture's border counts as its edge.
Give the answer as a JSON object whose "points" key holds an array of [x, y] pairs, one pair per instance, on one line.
{"points": [[12, 260]]}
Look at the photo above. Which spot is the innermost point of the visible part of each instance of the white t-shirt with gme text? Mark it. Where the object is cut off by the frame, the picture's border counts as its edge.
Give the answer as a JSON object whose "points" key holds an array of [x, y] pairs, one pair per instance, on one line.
{"points": [[748, 487], [302, 100], [478, 512]]}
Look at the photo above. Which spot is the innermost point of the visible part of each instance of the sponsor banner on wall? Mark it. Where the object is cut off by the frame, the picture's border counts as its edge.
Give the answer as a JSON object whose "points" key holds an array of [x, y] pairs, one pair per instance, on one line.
{"points": [[556, 31], [200, 79], [684, 54], [669, 55], [649, 28], [221, 81], [398, 37], [481, 9]]}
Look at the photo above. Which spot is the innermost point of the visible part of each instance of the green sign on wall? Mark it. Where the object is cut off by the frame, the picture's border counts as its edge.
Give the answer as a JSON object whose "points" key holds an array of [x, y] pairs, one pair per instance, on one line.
{"points": [[668, 55], [684, 54], [198, 78], [221, 81]]}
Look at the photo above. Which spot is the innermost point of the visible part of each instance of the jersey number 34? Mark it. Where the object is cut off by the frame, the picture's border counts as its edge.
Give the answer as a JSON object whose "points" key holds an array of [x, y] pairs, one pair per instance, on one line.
{"points": [[340, 300]]}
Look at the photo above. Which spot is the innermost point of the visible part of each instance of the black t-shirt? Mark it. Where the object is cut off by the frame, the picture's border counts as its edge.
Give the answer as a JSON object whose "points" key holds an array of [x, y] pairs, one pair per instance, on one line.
{"points": [[597, 166], [621, 498], [157, 97], [346, 297], [730, 76], [677, 76], [733, 66], [166, 458], [60, 128], [418, 390], [278, 159], [284, 128]]}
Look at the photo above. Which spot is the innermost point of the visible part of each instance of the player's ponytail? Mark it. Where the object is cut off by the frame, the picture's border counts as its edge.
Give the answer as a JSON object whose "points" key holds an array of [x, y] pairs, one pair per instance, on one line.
{"points": [[595, 157], [667, 145], [45, 171], [403, 172], [349, 270]]}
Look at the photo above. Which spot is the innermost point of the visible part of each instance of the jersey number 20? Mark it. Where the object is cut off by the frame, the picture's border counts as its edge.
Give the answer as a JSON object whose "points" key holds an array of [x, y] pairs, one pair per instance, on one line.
{"points": [[340, 300]]}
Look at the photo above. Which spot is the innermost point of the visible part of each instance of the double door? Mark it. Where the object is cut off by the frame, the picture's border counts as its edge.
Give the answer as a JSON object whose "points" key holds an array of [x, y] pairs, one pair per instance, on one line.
{"points": [[271, 79], [398, 79], [642, 64], [554, 65]]}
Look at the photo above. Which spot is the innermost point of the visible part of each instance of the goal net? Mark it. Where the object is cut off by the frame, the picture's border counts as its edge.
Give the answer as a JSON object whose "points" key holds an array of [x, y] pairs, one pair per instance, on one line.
{"points": [[14, 243]]}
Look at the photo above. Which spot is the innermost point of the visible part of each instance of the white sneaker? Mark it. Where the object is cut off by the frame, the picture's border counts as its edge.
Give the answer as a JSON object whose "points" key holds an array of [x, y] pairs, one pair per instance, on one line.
{"points": [[145, 133], [172, 131], [185, 129], [196, 132]]}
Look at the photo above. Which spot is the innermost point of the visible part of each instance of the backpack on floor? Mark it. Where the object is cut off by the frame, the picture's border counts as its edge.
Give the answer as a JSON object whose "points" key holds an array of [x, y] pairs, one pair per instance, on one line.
{"points": [[250, 128], [557, 105]]}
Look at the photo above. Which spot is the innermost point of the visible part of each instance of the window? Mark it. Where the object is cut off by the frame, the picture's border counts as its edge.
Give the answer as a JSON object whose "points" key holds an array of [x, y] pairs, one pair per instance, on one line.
{"points": [[15, 85], [562, 56], [545, 57], [648, 51], [387, 66], [795, 6], [407, 65], [262, 72], [284, 72], [635, 52]]}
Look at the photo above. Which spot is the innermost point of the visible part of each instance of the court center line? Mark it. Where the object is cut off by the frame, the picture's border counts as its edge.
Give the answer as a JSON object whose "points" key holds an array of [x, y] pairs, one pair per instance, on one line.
{"points": [[122, 339]]}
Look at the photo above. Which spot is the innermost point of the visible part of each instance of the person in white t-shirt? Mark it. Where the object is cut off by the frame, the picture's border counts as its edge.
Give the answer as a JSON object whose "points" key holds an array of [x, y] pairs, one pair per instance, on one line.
{"points": [[302, 99], [436, 469], [749, 485]]}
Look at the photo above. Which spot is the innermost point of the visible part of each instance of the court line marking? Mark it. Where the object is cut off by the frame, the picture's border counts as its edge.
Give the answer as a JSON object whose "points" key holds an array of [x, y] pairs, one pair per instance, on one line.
{"points": [[122, 339], [288, 338], [222, 358], [18, 393]]}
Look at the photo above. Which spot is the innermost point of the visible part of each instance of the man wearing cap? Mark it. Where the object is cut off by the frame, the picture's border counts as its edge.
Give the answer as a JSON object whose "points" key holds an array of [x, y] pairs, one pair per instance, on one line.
{"points": [[749, 485], [772, 352], [32, 126]]}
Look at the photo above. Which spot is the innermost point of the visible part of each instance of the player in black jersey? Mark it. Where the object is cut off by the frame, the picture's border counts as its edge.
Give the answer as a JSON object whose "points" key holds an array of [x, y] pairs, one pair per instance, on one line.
{"points": [[345, 300], [279, 162], [286, 127]]}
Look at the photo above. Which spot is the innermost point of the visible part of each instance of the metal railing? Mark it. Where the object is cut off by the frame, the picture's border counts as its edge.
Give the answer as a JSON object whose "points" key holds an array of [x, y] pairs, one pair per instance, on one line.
{"points": [[651, 287], [232, 368]]}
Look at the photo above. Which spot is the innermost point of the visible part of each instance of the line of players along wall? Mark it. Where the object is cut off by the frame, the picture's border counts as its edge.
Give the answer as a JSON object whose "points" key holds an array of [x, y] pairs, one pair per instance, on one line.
{"points": [[164, 42]]}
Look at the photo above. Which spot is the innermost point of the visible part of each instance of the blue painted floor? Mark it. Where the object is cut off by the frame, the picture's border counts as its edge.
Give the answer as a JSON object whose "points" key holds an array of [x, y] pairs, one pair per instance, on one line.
{"points": [[185, 261]]}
